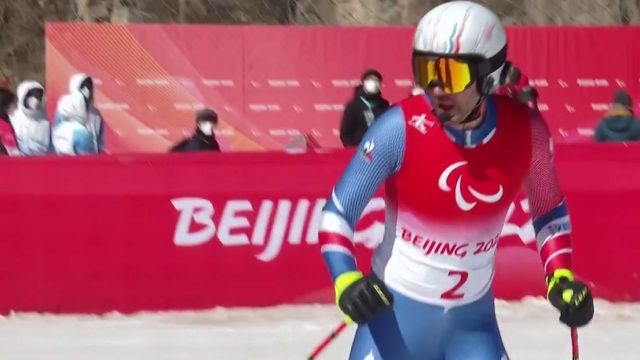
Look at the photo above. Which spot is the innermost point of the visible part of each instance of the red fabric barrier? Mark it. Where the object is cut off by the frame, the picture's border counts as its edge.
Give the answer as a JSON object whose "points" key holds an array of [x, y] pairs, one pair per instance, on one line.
{"points": [[271, 83], [152, 232]]}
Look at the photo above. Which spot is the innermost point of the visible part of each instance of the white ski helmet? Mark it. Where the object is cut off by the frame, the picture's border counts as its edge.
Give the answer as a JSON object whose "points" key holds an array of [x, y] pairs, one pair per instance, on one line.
{"points": [[464, 30]]}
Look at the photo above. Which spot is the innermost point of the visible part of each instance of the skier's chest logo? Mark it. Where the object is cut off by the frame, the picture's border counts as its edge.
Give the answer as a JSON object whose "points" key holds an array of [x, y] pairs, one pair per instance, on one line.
{"points": [[466, 196], [421, 123]]}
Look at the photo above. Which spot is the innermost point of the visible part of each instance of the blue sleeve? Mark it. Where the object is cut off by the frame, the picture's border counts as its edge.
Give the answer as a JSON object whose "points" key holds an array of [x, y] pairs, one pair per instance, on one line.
{"points": [[82, 143], [57, 118], [379, 156]]}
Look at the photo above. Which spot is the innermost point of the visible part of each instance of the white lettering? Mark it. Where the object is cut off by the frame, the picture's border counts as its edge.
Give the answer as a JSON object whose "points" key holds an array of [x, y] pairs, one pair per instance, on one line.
{"points": [[314, 222], [260, 229], [264, 107], [281, 83], [328, 107], [199, 211], [297, 223], [585, 131], [342, 83], [539, 82], [112, 106], [600, 106], [218, 83], [152, 82], [277, 232], [592, 82], [230, 221], [403, 83], [284, 132], [288, 224]]}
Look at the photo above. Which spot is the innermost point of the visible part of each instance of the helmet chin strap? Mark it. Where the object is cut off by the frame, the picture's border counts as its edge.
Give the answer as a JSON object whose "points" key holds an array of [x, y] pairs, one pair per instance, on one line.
{"points": [[475, 113]]}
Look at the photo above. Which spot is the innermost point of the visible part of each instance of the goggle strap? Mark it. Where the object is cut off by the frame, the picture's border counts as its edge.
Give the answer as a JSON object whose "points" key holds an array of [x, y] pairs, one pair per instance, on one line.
{"points": [[493, 63]]}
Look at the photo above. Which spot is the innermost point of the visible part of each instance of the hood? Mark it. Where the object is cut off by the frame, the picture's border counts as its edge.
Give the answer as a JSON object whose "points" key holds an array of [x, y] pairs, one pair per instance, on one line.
{"points": [[619, 123], [75, 83], [73, 107], [22, 91], [76, 80]]}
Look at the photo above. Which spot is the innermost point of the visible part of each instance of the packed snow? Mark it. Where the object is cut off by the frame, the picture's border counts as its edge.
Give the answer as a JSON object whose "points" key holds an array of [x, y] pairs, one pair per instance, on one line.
{"points": [[530, 330]]}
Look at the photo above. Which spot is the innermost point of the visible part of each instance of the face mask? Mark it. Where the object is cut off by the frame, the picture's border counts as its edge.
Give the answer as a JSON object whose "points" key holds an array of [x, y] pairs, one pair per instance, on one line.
{"points": [[206, 127], [371, 86], [86, 92], [33, 103]]}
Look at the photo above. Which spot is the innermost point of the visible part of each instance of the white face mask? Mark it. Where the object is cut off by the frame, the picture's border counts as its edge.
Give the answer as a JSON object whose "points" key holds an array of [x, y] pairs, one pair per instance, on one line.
{"points": [[33, 103], [371, 86], [206, 127], [86, 92]]}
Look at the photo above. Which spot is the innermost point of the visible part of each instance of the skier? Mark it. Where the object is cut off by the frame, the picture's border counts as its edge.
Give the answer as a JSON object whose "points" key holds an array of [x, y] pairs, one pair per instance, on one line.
{"points": [[452, 160]]}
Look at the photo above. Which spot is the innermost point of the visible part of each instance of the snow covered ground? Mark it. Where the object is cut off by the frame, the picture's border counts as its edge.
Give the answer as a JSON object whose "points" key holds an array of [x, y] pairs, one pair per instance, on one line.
{"points": [[530, 330]]}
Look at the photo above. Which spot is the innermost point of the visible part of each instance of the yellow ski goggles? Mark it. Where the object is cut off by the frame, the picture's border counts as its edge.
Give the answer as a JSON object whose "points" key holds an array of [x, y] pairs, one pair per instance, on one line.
{"points": [[453, 73]]}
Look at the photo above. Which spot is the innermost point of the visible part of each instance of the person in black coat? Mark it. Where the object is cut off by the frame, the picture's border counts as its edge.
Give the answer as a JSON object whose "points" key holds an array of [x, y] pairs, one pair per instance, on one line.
{"points": [[204, 138], [363, 109]]}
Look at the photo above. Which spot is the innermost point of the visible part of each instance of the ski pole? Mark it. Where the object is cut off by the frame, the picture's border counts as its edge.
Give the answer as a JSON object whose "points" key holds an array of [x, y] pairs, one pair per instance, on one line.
{"points": [[327, 340], [574, 344]]}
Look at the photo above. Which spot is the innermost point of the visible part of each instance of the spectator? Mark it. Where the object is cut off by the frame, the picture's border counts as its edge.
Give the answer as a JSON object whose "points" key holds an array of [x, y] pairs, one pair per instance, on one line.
{"points": [[7, 133], [204, 138], [95, 123], [70, 134], [31, 125], [619, 124], [363, 109]]}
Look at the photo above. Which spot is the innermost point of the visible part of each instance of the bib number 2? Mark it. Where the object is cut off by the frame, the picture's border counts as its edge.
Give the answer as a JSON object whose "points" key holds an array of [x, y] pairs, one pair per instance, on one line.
{"points": [[453, 294]]}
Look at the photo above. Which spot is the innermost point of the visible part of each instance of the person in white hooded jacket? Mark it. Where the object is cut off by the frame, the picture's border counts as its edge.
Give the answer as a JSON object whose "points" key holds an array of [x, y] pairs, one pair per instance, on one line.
{"points": [[95, 124], [32, 128], [70, 134]]}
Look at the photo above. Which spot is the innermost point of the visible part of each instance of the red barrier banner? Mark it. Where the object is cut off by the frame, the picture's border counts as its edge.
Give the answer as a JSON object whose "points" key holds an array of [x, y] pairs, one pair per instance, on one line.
{"points": [[271, 84], [154, 232]]}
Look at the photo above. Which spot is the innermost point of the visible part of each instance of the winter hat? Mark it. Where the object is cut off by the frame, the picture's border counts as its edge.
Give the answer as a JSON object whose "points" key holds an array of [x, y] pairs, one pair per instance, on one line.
{"points": [[372, 72], [622, 99], [207, 115]]}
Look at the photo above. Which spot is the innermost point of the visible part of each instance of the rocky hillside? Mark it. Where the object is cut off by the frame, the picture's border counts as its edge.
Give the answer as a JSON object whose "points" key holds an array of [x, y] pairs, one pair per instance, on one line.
{"points": [[21, 21]]}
